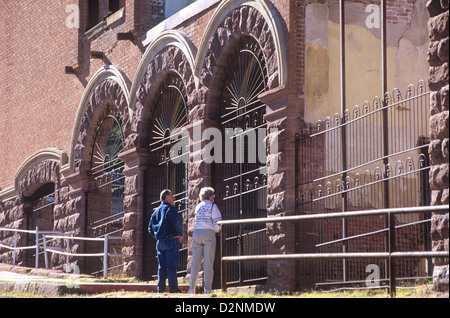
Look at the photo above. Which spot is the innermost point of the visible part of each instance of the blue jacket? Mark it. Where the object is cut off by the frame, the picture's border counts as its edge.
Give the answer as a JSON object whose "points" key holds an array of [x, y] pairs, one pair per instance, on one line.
{"points": [[165, 222]]}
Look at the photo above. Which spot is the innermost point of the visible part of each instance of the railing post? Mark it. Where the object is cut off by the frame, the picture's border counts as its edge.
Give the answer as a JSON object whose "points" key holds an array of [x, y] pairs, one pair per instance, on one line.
{"points": [[37, 247], [392, 274], [67, 256], [45, 251], [223, 265], [15, 246], [105, 257]]}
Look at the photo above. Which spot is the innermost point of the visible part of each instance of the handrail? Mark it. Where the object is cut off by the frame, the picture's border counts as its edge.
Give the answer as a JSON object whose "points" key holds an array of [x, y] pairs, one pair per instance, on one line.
{"points": [[59, 235], [390, 255], [68, 253], [423, 209], [15, 248]]}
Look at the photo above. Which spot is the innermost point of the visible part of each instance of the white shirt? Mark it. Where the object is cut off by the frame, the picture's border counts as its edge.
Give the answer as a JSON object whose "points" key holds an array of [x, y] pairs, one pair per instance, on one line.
{"points": [[206, 216]]}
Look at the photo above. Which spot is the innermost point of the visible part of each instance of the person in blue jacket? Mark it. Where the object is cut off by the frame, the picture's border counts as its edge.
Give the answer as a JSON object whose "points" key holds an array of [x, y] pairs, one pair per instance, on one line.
{"points": [[166, 227]]}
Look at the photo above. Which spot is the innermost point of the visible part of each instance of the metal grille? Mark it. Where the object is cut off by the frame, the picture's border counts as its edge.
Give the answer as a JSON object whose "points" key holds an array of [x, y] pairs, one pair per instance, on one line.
{"points": [[241, 184], [168, 167], [104, 199], [343, 166]]}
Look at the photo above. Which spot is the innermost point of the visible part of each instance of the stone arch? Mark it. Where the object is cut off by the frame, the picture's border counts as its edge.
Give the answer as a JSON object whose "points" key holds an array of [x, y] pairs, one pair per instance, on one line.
{"points": [[109, 86], [232, 20], [39, 175], [172, 53], [22, 175]]}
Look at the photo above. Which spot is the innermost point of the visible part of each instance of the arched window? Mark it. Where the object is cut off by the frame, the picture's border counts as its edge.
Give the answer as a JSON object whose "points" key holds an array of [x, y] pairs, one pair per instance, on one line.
{"points": [[240, 180], [168, 163], [104, 199]]}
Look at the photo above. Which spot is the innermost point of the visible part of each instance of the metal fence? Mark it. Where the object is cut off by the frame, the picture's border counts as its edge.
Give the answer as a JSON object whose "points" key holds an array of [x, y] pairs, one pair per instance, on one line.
{"points": [[18, 244], [54, 242], [61, 244], [375, 156], [391, 256]]}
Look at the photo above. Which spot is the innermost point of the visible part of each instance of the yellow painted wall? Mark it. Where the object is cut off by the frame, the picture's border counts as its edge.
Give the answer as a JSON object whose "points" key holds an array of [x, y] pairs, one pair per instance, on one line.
{"points": [[406, 64]]}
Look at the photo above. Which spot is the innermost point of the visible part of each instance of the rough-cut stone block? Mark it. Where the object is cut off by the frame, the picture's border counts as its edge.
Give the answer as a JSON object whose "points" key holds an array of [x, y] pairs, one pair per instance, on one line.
{"points": [[276, 203], [445, 196], [444, 97], [439, 227], [438, 26], [129, 221], [441, 278], [444, 149], [432, 55], [435, 152], [435, 103], [438, 76], [439, 125], [443, 50], [439, 176]]}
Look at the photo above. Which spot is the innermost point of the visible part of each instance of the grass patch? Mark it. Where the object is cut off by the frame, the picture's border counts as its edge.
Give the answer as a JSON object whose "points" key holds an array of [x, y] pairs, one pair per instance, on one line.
{"points": [[418, 291]]}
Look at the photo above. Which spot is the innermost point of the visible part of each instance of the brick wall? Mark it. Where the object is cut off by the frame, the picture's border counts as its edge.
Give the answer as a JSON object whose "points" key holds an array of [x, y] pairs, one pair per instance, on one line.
{"points": [[39, 101], [36, 45]]}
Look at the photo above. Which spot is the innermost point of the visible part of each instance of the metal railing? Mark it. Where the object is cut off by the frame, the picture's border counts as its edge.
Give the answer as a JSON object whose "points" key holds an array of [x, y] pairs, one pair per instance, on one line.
{"points": [[67, 251], [14, 246], [42, 248], [390, 255]]}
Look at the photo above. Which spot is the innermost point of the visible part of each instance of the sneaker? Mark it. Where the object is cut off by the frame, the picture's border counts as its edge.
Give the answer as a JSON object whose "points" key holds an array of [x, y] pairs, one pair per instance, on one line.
{"points": [[207, 291], [191, 291]]}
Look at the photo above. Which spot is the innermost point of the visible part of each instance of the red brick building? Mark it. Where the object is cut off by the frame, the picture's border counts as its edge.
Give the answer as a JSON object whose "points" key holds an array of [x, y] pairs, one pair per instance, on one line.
{"points": [[92, 91]]}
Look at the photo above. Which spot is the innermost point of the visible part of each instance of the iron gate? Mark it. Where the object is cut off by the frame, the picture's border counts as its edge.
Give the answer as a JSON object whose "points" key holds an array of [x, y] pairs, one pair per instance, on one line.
{"points": [[104, 198], [168, 167], [342, 166], [240, 181]]}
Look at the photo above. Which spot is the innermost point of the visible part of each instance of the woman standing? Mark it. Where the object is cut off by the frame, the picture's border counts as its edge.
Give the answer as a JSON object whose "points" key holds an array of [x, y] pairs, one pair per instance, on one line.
{"points": [[207, 215]]}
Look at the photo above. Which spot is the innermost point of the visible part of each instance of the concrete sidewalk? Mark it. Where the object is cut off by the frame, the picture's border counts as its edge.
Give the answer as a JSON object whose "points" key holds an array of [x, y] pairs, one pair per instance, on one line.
{"points": [[56, 283]]}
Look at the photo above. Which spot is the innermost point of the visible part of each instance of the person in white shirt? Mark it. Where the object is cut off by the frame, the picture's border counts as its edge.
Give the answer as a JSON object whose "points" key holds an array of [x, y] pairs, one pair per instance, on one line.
{"points": [[207, 215]]}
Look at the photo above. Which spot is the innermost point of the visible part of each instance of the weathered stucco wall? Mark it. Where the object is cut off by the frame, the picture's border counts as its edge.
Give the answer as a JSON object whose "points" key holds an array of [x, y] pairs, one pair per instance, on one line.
{"points": [[406, 55]]}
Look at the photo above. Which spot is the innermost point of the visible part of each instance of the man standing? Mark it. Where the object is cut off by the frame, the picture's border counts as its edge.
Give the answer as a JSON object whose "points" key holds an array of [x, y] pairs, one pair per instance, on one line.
{"points": [[166, 227]]}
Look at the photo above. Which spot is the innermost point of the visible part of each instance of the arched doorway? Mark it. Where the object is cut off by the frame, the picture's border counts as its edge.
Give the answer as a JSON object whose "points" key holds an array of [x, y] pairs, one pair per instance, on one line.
{"points": [[105, 195], [167, 165], [39, 214], [240, 181]]}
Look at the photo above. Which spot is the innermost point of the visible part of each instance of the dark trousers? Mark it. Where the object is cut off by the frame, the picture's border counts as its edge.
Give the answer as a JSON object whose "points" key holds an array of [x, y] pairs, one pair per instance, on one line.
{"points": [[168, 262]]}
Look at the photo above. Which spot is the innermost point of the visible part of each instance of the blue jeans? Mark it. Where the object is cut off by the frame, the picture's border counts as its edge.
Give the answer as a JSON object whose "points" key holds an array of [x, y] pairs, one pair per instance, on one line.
{"points": [[168, 262]]}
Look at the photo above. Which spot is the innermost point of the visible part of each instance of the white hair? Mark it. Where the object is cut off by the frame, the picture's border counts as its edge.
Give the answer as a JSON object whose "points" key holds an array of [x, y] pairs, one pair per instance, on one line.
{"points": [[206, 193]]}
